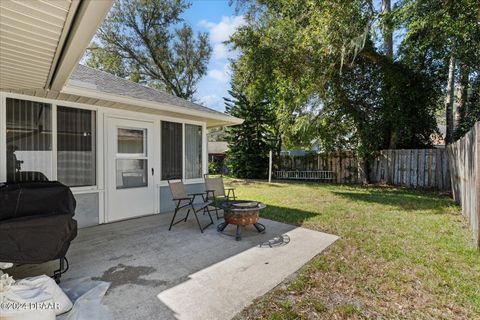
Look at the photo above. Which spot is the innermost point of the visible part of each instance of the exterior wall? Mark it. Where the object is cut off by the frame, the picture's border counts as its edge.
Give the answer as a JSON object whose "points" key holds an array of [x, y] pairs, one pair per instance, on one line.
{"points": [[91, 200], [87, 212], [166, 203]]}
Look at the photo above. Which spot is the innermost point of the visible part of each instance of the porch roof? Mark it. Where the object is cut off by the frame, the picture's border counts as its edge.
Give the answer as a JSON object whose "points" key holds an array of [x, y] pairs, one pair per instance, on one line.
{"points": [[41, 42]]}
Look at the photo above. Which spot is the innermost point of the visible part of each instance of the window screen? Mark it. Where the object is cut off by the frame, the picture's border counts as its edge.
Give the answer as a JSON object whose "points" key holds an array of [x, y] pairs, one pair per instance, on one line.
{"points": [[172, 150], [76, 147], [29, 140], [193, 151]]}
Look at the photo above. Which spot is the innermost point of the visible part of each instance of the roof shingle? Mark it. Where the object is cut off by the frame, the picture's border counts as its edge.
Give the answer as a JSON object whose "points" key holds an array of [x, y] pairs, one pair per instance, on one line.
{"points": [[109, 83]]}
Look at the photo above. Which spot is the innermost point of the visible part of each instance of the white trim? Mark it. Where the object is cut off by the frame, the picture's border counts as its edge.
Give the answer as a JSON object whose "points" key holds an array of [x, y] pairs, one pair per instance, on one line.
{"points": [[54, 163], [3, 138], [100, 147], [104, 166], [157, 165], [184, 149], [85, 190], [88, 17], [120, 113], [204, 151], [149, 104], [63, 103]]}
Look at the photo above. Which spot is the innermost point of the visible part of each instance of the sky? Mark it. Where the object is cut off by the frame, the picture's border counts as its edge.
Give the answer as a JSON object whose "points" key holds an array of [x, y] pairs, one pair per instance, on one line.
{"points": [[219, 20]]}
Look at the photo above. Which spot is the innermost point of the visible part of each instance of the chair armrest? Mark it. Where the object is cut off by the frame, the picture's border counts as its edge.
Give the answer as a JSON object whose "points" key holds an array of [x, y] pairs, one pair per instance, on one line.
{"points": [[180, 199]]}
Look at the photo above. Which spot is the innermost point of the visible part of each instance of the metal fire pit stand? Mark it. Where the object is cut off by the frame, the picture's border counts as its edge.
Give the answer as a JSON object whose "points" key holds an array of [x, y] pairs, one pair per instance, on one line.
{"points": [[241, 216]]}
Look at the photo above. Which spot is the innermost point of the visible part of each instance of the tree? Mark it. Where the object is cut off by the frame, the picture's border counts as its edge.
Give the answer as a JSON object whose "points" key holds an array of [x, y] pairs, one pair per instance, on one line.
{"points": [[387, 29], [315, 60], [107, 60], [441, 37], [470, 113], [142, 35], [250, 142]]}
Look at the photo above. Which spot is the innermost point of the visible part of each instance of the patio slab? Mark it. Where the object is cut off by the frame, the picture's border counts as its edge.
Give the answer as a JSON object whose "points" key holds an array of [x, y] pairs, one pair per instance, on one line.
{"points": [[183, 274]]}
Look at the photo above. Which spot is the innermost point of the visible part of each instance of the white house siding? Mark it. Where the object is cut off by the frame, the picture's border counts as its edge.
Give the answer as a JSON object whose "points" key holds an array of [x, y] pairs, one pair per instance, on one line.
{"points": [[87, 212], [166, 203]]}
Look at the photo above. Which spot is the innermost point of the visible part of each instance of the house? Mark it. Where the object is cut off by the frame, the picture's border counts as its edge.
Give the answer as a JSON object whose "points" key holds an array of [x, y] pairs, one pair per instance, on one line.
{"points": [[217, 151], [114, 142]]}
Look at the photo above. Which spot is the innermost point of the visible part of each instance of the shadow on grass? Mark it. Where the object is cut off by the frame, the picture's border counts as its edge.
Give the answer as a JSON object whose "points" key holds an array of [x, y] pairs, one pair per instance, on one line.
{"points": [[401, 199], [287, 215]]}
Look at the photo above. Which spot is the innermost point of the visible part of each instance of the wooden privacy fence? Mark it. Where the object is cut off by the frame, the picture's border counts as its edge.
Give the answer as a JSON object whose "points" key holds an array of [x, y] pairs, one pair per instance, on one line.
{"points": [[422, 168], [342, 167], [464, 158]]}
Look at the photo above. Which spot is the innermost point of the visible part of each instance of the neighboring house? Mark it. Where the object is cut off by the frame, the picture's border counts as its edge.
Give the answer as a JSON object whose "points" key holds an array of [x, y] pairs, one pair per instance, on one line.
{"points": [[217, 151], [114, 142]]}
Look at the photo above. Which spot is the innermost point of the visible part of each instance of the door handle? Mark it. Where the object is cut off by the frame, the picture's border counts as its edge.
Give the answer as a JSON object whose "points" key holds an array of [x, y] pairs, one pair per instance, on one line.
{"points": [[153, 171]]}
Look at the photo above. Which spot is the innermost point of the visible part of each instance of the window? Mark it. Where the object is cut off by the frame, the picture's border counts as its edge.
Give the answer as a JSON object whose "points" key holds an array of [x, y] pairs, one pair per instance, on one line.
{"points": [[132, 162], [172, 164], [193, 151], [29, 140], [76, 147]]}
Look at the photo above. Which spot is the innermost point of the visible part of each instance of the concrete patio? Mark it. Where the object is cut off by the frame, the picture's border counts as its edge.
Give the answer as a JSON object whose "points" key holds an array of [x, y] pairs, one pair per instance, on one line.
{"points": [[183, 274]]}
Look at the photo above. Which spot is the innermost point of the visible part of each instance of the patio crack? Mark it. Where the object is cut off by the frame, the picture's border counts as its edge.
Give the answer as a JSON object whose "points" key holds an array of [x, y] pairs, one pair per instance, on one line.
{"points": [[122, 274]]}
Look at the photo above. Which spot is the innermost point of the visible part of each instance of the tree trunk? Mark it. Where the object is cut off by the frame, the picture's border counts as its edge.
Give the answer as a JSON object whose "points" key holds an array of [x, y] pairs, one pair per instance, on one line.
{"points": [[387, 31], [363, 164], [460, 111], [450, 99]]}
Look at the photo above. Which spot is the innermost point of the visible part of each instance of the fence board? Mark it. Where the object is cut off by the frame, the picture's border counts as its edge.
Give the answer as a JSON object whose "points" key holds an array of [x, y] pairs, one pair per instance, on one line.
{"points": [[422, 168], [464, 160]]}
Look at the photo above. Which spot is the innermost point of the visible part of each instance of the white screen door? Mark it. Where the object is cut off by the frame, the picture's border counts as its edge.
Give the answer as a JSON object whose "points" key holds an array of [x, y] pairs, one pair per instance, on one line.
{"points": [[129, 166]]}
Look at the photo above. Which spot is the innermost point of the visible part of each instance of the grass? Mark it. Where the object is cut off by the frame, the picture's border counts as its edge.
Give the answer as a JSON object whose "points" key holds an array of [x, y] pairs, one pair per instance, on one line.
{"points": [[403, 254]]}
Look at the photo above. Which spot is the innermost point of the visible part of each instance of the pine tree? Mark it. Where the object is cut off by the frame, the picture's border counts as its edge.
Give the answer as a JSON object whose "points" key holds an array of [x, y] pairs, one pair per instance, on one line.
{"points": [[250, 142]]}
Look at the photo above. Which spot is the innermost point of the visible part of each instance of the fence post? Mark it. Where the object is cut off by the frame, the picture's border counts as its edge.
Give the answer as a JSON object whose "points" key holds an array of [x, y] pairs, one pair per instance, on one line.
{"points": [[270, 156]]}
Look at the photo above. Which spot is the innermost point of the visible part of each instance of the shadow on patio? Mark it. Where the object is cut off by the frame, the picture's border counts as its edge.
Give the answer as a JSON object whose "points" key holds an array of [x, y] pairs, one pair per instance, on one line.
{"points": [[183, 274]]}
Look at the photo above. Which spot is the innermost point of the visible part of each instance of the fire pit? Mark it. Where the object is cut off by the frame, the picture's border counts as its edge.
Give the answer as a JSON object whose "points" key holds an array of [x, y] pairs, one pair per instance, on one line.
{"points": [[241, 213]]}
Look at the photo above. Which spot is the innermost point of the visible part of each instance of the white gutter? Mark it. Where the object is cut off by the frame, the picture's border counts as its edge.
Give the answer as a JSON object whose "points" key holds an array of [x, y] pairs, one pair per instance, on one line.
{"points": [[83, 25], [92, 93]]}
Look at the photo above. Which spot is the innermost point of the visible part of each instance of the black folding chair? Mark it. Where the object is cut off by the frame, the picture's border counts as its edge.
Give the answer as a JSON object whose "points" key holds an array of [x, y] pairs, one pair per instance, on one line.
{"points": [[182, 200]]}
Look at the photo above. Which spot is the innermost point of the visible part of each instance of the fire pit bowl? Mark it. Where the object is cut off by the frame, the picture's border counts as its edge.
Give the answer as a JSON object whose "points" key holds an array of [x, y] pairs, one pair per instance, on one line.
{"points": [[241, 213]]}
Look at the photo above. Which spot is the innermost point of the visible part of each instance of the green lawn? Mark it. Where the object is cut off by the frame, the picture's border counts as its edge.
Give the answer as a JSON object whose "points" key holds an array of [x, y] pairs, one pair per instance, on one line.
{"points": [[402, 254]]}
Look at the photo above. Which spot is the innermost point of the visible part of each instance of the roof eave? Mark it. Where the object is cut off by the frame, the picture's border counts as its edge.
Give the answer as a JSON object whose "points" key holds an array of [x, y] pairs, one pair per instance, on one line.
{"points": [[214, 119], [84, 24]]}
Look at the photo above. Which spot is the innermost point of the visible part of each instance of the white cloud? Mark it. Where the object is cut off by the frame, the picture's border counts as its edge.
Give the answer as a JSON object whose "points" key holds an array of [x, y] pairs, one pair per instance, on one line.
{"points": [[220, 51], [222, 75], [220, 32], [210, 100]]}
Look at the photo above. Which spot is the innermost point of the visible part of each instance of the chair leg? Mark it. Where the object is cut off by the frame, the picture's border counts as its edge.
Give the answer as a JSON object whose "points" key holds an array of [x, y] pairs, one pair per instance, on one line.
{"points": [[186, 217], [198, 221], [208, 211], [215, 205], [173, 219]]}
